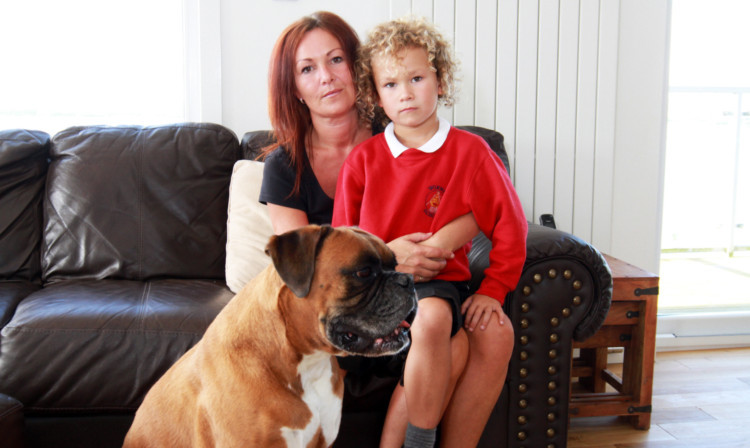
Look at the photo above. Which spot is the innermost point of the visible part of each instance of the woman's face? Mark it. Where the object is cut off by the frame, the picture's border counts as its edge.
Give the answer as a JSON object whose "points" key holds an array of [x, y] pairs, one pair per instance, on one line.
{"points": [[322, 75]]}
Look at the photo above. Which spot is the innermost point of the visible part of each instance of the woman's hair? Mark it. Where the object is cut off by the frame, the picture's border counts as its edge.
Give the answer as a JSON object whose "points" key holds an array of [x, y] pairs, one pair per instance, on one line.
{"points": [[388, 40], [290, 118]]}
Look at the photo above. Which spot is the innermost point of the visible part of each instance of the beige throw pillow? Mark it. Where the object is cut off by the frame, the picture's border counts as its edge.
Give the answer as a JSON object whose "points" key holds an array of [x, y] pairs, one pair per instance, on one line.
{"points": [[248, 226]]}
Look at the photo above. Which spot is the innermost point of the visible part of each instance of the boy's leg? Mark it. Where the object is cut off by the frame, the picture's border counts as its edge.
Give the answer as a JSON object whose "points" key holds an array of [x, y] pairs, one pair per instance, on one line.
{"points": [[426, 376], [396, 419], [427, 369], [480, 385]]}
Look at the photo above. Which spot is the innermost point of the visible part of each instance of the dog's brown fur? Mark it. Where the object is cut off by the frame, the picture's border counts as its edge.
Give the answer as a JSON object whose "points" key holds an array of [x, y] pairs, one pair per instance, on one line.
{"points": [[241, 384]]}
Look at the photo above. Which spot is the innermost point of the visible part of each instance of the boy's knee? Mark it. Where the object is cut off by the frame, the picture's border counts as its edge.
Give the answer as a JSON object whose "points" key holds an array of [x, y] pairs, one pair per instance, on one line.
{"points": [[434, 317], [495, 341]]}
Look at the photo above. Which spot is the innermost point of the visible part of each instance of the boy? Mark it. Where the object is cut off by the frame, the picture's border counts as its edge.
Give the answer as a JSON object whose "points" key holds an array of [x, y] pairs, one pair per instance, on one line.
{"points": [[417, 176]]}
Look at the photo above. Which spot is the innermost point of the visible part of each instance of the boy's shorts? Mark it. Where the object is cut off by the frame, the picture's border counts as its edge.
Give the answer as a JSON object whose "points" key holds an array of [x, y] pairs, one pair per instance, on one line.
{"points": [[455, 293], [452, 292]]}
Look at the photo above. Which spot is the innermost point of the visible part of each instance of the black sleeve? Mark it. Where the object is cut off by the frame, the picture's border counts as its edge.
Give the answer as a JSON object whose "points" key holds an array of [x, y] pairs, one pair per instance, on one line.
{"points": [[278, 182]]}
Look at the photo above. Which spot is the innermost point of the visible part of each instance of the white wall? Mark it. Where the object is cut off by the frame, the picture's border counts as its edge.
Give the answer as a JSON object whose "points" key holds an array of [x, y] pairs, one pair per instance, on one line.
{"points": [[578, 88], [248, 31]]}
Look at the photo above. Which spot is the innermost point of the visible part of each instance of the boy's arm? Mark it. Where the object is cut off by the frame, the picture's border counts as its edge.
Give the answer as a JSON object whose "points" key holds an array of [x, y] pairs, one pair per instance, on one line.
{"points": [[455, 234]]}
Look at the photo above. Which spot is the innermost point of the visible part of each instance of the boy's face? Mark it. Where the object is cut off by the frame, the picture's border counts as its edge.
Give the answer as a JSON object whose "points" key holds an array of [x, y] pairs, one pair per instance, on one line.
{"points": [[408, 90]]}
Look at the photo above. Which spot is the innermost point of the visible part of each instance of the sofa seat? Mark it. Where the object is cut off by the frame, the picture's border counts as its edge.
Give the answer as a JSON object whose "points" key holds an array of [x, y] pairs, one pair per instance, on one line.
{"points": [[108, 323]]}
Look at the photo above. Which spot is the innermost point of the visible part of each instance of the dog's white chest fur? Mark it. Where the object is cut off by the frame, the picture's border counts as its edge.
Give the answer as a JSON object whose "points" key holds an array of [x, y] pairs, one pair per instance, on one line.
{"points": [[316, 375]]}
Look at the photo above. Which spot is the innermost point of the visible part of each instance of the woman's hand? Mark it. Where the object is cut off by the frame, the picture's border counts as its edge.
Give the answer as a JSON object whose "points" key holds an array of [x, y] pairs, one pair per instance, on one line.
{"points": [[479, 309], [423, 262]]}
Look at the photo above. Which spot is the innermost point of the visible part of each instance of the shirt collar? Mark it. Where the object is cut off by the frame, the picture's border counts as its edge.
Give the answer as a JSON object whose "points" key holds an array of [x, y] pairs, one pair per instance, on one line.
{"points": [[397, 148]]}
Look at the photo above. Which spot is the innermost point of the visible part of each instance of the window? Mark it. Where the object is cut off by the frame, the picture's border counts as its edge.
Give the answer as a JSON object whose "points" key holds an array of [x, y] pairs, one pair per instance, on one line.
{"points": [[81, 62], [705, 263]]}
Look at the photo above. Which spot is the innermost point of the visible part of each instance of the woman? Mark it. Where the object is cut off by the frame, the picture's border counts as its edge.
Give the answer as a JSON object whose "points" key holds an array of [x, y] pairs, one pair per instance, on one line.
{"points": [[312, 106]]}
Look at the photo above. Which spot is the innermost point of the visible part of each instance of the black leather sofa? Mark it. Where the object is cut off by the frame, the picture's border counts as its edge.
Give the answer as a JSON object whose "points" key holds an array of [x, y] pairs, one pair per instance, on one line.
{"points": [[112, 251]]}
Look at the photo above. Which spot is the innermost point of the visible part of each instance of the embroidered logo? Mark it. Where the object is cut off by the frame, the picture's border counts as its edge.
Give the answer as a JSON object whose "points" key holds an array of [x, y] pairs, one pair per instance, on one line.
{"points": [[432, 201]]}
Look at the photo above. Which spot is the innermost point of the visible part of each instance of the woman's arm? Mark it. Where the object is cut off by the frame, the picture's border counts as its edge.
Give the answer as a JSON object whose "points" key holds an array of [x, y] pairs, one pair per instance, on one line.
{"points": [[285, 219], [423, 262], [423, 254]]}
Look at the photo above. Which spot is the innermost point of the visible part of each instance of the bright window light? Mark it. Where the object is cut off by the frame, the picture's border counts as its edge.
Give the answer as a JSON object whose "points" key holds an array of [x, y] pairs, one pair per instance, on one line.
{"points": [[84, 62]]}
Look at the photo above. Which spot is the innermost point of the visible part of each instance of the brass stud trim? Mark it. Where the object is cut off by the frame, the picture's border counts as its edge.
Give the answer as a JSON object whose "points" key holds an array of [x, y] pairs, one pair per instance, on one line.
{"points": [[522, 404], [554, 321], [527, 290], [577, 285], [553, 338], [552, 354], [522, 388], [525, 307], [552, 273], [550, 432], [551, 401], [521, 435], [537, 278], [551, 417], [524, 323], [524, 355], [524, 372], [566, 312], [552, 385], [568, 274], [524, 340], [577, 300], [552, 370], [521, 419]]}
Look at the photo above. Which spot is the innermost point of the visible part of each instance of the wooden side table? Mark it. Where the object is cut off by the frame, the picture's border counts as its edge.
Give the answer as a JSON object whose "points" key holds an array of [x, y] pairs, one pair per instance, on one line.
{"points": [[630, 324]]}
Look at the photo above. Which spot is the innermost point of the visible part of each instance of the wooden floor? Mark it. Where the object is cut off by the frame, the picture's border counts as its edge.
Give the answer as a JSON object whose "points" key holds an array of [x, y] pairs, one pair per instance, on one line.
{"points": [[701, 399]]}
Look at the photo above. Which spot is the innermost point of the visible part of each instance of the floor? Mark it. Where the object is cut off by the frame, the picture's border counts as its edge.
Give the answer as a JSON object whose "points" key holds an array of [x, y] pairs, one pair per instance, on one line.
{"points": [[700, 399]]}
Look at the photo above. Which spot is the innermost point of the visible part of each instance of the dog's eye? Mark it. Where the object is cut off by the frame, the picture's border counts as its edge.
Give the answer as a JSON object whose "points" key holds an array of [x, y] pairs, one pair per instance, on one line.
{"points": [[365, 273]]}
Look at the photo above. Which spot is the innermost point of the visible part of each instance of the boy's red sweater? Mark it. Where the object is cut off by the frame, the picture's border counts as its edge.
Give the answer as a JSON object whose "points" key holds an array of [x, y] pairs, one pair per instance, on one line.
{"points": [[420, 192]]}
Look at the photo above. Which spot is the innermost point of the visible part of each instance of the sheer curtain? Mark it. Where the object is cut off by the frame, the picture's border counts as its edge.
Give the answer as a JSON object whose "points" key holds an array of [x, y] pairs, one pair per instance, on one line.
{"points": [[82, 62]]}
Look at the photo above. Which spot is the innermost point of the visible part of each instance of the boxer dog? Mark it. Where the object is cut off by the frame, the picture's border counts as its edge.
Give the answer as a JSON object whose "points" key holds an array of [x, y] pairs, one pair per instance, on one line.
{"points": [[264, 374]]}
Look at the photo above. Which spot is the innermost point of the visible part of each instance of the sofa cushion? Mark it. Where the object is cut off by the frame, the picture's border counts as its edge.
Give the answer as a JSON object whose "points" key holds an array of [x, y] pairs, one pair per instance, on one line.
{"points": [[138, 202], [99, 345], [23, 168], [11, 422], [248, 227], [11, 294]]}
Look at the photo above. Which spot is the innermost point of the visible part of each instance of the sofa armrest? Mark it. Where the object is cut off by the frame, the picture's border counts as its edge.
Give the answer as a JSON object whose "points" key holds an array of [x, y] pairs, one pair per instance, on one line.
{"points": [[544, 244], [563, 294]]}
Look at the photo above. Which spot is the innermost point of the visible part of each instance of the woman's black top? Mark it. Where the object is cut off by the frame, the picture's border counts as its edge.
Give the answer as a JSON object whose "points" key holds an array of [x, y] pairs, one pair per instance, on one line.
{"points": [[278, 183]]}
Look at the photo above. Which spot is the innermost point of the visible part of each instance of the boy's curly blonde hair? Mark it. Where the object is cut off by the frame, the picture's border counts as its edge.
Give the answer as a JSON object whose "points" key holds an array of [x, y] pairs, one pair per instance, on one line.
{"points": [[388, 40]]}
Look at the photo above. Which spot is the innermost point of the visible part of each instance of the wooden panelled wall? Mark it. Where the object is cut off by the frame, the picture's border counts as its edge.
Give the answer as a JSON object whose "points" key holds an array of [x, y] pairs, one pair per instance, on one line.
{"points": [[544, 74]]}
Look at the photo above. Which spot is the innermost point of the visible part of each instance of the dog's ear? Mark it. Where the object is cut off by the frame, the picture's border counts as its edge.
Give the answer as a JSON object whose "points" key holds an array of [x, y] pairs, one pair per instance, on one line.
{"points": [[293, 254]]}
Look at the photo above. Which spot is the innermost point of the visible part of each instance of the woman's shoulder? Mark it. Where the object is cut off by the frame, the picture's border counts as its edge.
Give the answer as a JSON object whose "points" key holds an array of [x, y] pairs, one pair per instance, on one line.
{"points": [[278, 156]]}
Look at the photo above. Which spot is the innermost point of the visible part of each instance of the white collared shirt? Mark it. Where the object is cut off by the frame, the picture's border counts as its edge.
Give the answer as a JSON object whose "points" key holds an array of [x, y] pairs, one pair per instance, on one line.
{"points": [[397, 148]]}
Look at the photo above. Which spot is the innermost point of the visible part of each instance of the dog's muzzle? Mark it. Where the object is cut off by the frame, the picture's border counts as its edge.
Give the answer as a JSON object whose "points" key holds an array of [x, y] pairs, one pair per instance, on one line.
{"points": [[378, 323]]}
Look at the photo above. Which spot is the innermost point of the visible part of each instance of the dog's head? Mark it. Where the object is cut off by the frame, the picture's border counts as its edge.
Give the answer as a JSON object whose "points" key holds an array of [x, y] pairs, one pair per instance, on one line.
{"points": [[346, 279]]}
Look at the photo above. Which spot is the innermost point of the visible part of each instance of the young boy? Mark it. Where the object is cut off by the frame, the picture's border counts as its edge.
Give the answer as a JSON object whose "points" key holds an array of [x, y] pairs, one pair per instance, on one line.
{"points": [[417, 176]]}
